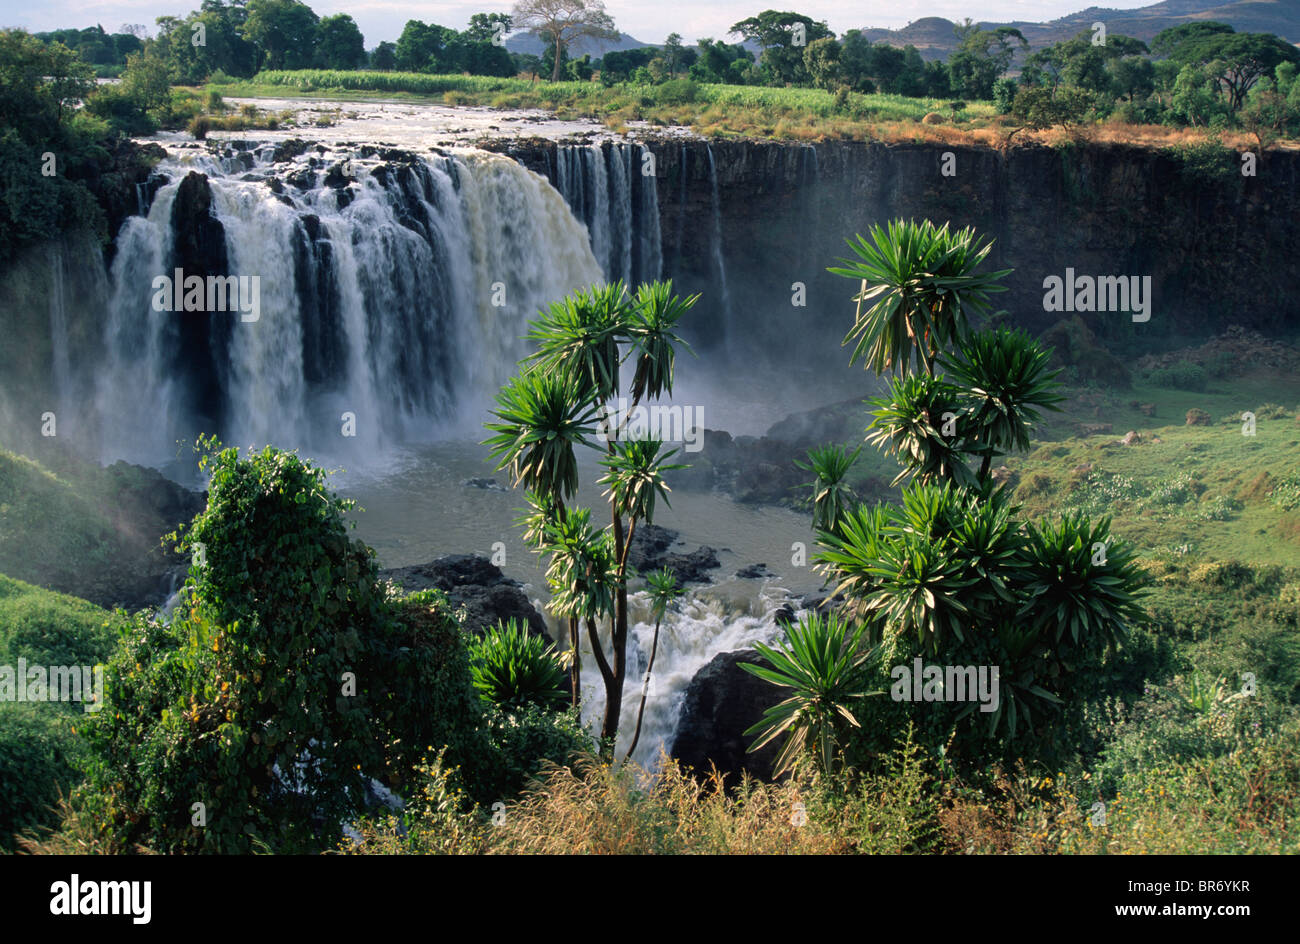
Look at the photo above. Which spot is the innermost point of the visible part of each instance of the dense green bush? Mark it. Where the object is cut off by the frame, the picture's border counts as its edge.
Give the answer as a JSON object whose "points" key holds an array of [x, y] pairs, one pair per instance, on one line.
{"points": [[1181, 376], [282, 681], [513, 668], [38, 766], [286, 679]]}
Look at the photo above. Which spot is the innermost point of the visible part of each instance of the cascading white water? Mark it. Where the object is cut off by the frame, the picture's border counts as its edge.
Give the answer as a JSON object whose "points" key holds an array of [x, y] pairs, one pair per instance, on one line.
{"points": [[610, 189], [719, 259], [702, 625], [403, 306]]}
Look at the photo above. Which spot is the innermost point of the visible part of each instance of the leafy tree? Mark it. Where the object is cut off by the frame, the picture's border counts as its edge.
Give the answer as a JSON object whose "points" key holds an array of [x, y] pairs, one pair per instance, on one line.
{"points": [[564, 23], [1194, 100], [339, 43], [822, 60], [618, 66], [543, 416], [486, 27], [40, 84], [225, 46], [384, 57], [716, 60], [857, 62], [673, 53], [423, 47], [284, 681], [1038, 108], [784, 38], [1235, 61], [982, 56], [285, 31]]}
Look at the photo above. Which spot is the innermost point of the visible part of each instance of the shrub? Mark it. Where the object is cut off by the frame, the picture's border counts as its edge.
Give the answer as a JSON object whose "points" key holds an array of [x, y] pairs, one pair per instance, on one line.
{"points": [[1004, 93], [1198, 417], [676, 92], [271, 696], [513, 669], [37, 765], [1286, 493], [1181, 376], [199, 127], [525, 742]]}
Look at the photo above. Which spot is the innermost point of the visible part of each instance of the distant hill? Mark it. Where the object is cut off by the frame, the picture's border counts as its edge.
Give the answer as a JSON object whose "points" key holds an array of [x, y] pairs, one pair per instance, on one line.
{"points": [[527, 43], [934, 39]]}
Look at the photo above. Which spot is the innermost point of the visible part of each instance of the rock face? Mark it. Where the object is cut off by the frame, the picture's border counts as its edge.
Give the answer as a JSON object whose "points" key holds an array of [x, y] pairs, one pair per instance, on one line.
{"points": [[1099, 208], [478, 585], [650, 551], [202, 337], [722, 702]]}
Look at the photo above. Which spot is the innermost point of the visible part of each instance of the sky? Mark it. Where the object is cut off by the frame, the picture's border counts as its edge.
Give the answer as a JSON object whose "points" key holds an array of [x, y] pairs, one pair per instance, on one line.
{"points": [[647, 20]]}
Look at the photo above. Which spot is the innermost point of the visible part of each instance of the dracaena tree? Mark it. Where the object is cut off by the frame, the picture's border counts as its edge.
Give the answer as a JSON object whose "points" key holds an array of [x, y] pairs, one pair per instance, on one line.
{"points": [[951, 572], [544, 416]]}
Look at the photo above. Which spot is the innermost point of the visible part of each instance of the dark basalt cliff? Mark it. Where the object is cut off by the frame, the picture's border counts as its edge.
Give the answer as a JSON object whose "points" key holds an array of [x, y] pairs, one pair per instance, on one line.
{"points": [[1219, 249]]}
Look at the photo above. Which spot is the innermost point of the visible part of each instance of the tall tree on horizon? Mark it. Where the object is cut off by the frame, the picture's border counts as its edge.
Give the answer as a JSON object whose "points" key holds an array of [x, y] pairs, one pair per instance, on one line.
{"points": [[564, 22]]}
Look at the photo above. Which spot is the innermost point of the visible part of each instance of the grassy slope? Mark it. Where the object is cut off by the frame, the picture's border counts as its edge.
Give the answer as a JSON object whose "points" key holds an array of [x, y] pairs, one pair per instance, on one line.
{"points": [[79, 528], [1229, 467], [39, 748]]}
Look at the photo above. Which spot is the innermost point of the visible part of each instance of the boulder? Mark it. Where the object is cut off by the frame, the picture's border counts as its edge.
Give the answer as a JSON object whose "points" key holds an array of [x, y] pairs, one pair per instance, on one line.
{"points": [[475, 583], [722, 702], [650, 551]]}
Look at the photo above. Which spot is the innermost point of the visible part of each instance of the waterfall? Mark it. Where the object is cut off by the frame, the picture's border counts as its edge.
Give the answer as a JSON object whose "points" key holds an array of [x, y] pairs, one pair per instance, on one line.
{"points": [[719, 260], [606, 188], [392, 293], [681, 213], [703, 624], [61, 373]]}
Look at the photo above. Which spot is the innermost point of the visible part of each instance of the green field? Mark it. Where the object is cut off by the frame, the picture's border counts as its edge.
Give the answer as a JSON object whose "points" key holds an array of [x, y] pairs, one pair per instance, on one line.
{"points": [[710, 109]]}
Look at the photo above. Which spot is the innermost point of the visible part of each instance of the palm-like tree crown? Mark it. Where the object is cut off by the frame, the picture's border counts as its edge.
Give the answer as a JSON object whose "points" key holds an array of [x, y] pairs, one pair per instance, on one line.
{"points": [[919, 289]]}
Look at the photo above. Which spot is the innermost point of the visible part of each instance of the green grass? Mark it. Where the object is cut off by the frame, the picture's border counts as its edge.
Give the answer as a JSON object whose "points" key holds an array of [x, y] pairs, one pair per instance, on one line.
{"points": [[1201, 492], [781, 113], [50, 628], [39, 749], [74, 526]]}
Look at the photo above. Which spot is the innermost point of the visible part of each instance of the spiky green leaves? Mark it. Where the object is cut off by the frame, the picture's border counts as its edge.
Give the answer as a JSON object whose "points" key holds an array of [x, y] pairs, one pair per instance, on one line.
{"points": [[578, 337], [583, 573], [651, 329], [543, 417], [831, 494], [513, 669], [823, 662], [1085, 586], [919, 422], [663, 588], [919, 289], [635, 476], [1005, 381]]}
